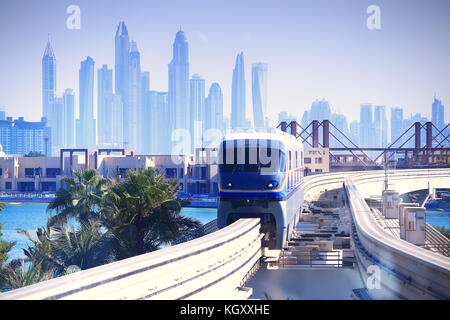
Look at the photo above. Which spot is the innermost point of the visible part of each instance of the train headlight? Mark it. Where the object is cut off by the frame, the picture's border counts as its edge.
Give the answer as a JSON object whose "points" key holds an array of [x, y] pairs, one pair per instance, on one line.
{"points": [[229, 184], [272, 184]]}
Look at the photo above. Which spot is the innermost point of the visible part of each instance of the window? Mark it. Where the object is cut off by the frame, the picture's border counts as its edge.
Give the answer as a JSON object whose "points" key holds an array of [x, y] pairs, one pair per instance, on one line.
{"points": [[1, 171], [307, 160], [8, 185], [203, 173], [318, 160], [244, 160], [29, 172], [52, 172], [181, 175], [296, 159], [171, 173], [290, 160]]}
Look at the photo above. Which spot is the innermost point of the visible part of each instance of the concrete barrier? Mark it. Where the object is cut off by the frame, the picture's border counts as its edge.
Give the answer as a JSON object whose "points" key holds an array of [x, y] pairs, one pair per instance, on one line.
{"points": [[210, 267]]}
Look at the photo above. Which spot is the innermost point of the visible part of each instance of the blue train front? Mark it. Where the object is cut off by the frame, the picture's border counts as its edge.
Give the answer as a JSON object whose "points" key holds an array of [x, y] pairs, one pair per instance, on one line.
{"points": [[260, 175]]}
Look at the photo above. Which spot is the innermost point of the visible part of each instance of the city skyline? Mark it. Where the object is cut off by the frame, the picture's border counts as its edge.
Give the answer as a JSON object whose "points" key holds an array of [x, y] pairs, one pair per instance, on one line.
{"points": [[259, 44]]}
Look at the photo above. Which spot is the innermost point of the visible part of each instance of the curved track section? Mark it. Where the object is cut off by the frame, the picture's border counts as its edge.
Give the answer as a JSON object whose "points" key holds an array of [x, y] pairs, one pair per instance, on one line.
{"points": [[210, 267]]}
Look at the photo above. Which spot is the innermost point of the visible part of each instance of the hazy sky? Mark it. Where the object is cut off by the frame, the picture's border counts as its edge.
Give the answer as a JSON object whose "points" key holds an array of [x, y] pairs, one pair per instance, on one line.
{"points": [[315, 49]]}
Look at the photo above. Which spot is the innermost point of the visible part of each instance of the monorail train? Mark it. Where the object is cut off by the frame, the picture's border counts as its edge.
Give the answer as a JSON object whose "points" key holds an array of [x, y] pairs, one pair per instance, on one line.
{"points": [[260, 175]]}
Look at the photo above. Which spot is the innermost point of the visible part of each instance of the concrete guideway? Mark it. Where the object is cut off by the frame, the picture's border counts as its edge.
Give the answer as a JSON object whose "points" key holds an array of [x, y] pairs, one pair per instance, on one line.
{"points": [[211, 267], [408, 270]]}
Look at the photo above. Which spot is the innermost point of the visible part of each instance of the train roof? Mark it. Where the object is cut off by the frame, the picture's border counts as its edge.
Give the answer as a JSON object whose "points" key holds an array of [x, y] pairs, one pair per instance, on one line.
{"points": [[272, 134]]}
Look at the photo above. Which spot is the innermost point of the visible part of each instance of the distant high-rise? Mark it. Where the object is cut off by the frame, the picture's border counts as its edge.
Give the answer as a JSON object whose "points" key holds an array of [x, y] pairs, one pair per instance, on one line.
{"points": [[238, 94], [115, 124], [320, 110], [396, 124], [407, 123], [69, 118], [48, 79], [144, 119], [87, 121], [56, 116], [122, 55], [340, 122], [104, 93], [367, 131], [214, 108], [306, 119], [259, 94], [437, 114], [2, 113], [134, 97], [284, 116], [354, 132], [159, 117], [19, 137], [179, 85], [197, 111], [380, 123]]}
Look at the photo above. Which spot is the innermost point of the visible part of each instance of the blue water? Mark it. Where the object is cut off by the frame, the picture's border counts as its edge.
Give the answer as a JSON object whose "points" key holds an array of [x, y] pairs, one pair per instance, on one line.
{"points": [[30, 216], [438, 218]]}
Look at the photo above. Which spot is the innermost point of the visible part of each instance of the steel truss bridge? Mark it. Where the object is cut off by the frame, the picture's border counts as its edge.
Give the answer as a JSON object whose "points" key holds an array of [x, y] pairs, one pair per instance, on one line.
{"points": [[348, 156]]}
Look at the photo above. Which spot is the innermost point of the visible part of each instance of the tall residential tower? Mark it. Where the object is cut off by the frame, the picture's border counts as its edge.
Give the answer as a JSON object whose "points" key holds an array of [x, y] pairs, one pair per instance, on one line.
{"points": [[259, 94], [238, 93]]}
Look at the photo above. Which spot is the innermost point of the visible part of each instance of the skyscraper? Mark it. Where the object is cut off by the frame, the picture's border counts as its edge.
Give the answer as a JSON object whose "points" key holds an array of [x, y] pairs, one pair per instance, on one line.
{"points": [[354, 132], [104, 93], [69, 118], [122, 55], [366, 131], [259, 94], [238, 93], [214, 108], [115, 124], [57, 118], [159, 117], [320, 110], [284, 116], [340, 122], [87, 121], [2, 113], [48, 79], [179, 84], [134, 97], [437, 114], [396, 124], [380, 123], [197, 111], [306, 119], [19, 137], [144, 119]]}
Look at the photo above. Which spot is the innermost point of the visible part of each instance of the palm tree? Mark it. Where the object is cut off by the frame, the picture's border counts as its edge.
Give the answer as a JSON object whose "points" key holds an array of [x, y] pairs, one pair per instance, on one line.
{"points": [[59, 246], [16, 275], [87, 246], [5, 246], [81, 199], [143, 212]]}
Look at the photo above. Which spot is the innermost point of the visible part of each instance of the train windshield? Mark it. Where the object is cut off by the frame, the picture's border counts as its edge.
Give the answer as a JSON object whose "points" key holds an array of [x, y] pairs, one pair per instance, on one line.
{"points": [[263, 156]]}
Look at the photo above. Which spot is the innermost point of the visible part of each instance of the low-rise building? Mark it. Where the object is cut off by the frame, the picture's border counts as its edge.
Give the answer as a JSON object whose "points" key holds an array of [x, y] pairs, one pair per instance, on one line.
{"points": [[317, 160]]}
